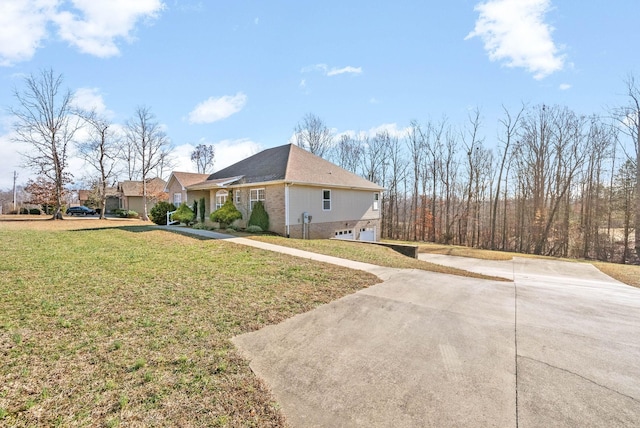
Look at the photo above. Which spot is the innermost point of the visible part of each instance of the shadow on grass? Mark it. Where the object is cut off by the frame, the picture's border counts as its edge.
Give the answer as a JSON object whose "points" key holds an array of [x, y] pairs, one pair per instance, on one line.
{"points": [[25, 219], [149, 228]]}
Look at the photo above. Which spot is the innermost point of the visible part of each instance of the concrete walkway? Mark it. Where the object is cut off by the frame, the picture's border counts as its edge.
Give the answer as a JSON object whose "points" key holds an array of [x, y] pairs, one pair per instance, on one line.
{"points": [[559, 346]]}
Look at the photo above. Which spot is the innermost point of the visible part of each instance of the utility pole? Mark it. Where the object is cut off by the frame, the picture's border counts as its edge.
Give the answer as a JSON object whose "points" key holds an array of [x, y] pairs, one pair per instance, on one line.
{"points": [[15, 177]]}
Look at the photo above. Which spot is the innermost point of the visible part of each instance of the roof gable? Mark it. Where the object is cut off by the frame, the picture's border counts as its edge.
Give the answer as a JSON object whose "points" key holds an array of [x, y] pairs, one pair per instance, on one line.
{"points": [[268, 165], [134, 188], [305, 167], [288, 163], [188, 178]]}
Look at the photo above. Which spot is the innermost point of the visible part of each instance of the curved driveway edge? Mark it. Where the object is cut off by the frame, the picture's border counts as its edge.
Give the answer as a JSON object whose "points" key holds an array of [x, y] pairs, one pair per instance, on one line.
{"points": [[420, 349], [560, 346]]}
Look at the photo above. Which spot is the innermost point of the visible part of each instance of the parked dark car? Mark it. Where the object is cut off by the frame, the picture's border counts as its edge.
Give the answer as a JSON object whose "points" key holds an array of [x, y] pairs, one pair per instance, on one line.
{"points": [[81, 210]]}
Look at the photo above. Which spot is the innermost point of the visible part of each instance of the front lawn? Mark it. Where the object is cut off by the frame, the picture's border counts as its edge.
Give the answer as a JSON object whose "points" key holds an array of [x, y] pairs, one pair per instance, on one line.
{"points": [[107, 323], [368, 253]]}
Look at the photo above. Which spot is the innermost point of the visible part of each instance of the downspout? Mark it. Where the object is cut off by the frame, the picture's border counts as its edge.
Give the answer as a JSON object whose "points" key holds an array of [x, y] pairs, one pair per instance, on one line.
{"points": [[286, 208]]}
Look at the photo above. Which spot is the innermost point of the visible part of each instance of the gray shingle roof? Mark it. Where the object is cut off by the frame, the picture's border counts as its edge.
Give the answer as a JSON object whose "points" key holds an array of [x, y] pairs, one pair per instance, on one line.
{"points": [[288, 163]]}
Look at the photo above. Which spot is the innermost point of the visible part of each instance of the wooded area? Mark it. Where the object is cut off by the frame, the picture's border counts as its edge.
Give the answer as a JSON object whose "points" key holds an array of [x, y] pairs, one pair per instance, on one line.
{"points": [[557, 183]]}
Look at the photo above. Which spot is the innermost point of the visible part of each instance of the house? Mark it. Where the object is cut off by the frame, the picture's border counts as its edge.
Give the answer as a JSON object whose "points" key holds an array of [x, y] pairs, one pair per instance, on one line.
{"points": [[305, 196], [91, 198], [131, 194], [177, 185]]}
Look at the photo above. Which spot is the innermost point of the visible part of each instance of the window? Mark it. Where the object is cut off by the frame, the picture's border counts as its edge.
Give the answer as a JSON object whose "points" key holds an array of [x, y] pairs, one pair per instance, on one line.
{"points": [[221, 198], [255, 195], [177, 198], [326, 200], [376, 198], [236, 194]]}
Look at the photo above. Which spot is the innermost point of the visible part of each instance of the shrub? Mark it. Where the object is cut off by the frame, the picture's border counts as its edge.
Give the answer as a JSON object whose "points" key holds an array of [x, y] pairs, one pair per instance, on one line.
{"points": [[184, 214], [159, 212], [24, 211], [201, 205], [35, 211], [259, 216], [254, 229], [126, 213], [226, 214], [195, 210], [200, 226]]}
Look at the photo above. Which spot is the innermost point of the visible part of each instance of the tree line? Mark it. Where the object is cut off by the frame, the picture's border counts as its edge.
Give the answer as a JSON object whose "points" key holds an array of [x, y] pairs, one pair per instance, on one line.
{"points": [[556, 183], [48, 121]]}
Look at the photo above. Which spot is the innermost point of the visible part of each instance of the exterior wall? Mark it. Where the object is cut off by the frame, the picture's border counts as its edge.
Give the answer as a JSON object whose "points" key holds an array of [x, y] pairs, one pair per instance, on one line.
{"points": [[195, 195], [327, 230], [134, 203], [273, 204], [175, 187], [350, 209]]}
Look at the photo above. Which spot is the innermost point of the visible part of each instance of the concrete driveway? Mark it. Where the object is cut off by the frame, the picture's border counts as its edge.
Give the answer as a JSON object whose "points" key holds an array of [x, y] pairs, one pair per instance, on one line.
{"points": [[559, 346]]}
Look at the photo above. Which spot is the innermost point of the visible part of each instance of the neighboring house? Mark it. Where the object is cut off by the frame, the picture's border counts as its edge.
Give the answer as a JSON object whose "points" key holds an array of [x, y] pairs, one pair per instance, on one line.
{"points": [[304, 195], [177, 185], [89, 198], [131, 194]]}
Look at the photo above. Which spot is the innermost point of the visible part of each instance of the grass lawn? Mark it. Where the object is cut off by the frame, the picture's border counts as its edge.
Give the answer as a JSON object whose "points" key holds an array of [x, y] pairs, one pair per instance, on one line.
{"points": [[107, 323], [382, 256], [628, 274], [367, 253]]}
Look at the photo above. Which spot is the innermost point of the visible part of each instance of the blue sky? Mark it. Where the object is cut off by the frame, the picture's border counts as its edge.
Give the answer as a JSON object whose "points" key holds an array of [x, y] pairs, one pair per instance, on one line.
{"points": [[241, 74]]}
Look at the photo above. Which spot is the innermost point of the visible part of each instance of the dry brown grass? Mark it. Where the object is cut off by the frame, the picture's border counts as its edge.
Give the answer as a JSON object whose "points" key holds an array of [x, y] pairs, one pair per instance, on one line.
{"points": [[627, 274], [107, 323], [624, 273], [367, 253], [455, 250]]}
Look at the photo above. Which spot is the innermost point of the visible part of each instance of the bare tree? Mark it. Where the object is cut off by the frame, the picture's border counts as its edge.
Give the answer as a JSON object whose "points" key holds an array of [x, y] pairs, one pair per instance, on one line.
{"points": [[101, 151], [472, 147], [313, 135], [510, 130], [203, 156], [44, 119], [150, 145], [348, 153], [629, 118]]}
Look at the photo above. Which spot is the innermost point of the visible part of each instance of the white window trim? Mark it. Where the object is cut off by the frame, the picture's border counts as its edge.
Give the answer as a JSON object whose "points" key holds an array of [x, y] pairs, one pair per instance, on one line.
{"points": [[221, 194], [324, 200], [252, 200], [376, 201], [177, 198]]}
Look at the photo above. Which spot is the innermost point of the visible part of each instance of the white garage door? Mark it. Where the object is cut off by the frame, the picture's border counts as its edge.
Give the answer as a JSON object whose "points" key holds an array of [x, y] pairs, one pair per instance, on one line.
{"points": [[344, 234], [368, 235]]}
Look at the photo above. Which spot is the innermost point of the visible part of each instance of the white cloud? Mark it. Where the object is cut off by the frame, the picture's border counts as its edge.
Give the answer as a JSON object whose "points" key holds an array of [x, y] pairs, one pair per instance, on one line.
{"points": [[564, 86], [23, 26], [334, 71], [391, 128], [348, 70], [11, 161], [91, 99], [92, 26], [214, 109], [514, 32], [227, 152]]}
